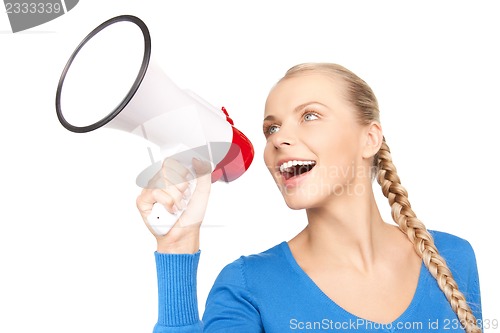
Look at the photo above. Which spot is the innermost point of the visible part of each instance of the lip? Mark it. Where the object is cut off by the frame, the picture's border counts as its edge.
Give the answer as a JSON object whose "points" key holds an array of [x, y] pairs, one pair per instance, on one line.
{"points": [[294, 181]]}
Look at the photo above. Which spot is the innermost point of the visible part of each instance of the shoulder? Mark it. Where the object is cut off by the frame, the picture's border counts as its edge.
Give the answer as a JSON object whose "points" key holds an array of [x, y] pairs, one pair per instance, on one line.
{"points": [[256, 266], [458, 254], [461, 260], [450, 245]]}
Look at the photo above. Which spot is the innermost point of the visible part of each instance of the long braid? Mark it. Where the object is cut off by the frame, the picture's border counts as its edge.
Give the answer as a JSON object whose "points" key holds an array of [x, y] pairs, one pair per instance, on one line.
{"points": [[422, 240]]}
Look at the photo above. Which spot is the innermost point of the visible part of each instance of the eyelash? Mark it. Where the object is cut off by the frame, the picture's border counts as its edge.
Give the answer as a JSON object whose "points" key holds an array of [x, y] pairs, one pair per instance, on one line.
{"points": [[305, 113]]}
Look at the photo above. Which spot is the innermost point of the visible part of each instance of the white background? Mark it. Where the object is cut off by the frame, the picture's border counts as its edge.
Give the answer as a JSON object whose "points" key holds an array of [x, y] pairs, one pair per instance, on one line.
{"points": [[74, 253]]}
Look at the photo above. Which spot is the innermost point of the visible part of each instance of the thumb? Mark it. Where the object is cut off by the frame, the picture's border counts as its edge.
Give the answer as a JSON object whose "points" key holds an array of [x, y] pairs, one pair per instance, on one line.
{"points": [[197, 205], [201, 167], [203, 170]]}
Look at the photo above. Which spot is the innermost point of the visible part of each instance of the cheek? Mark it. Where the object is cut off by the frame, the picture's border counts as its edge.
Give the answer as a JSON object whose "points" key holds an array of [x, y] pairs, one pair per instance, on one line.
{"points": [[268, 155], [337, 148], [329, 143]]}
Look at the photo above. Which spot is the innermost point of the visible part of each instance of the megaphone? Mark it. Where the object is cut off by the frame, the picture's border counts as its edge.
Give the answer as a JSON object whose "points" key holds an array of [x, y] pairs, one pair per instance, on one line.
{"points": [[110, 81]]}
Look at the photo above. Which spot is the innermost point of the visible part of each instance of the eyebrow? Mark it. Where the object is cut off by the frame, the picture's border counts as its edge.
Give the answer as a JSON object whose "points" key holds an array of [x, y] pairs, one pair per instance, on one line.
{"points": [[297, 109]]}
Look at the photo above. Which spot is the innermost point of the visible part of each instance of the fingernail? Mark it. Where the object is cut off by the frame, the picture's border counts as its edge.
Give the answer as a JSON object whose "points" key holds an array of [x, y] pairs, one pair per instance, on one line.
{"points": [[197, 162]]}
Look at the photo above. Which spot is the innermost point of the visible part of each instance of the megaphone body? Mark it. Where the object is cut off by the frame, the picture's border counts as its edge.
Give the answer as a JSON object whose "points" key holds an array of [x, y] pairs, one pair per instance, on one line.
{"points": [[180, 123]]}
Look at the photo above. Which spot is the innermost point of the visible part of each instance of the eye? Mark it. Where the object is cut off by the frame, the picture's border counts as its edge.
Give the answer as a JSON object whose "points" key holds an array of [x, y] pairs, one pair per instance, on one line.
{"points": [[308, 116], [272, 129], [269, 129]]}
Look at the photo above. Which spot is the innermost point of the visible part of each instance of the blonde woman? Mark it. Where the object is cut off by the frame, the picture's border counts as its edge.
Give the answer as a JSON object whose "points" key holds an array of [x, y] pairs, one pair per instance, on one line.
{"points": [[347, 270]]}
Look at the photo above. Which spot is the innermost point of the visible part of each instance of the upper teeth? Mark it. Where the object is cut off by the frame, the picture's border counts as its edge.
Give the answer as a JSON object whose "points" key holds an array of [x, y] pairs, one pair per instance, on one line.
{"points": [[286, 167]]}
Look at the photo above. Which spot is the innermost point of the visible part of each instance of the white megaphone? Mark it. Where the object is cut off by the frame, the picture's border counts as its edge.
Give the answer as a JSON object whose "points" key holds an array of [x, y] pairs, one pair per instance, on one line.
{"points": [[110, 81]]}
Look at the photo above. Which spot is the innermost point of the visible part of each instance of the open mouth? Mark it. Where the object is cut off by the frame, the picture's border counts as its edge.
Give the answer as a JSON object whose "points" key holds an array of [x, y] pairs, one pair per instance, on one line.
{"points": [[295, 168]]}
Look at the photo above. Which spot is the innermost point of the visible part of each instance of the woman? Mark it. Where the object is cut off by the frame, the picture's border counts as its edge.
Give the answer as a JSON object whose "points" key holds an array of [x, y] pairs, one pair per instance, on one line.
{"points": [[348, 270]]}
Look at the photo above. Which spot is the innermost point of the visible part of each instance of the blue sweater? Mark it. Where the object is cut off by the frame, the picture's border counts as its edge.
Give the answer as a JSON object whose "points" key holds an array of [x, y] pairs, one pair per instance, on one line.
{"points": [[269, 292]]}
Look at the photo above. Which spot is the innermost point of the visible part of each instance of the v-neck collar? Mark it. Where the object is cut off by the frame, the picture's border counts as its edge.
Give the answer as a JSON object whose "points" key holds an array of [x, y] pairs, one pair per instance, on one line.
{"points": [[404, 317]]}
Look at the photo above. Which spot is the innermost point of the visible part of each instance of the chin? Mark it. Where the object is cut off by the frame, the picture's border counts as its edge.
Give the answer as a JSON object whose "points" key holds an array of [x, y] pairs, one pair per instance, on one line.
{"points": [[296, 202], [294, 206]]}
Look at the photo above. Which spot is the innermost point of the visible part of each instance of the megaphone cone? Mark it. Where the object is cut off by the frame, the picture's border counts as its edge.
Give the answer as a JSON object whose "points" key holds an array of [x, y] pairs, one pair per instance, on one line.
{"points": [[111, 81]]}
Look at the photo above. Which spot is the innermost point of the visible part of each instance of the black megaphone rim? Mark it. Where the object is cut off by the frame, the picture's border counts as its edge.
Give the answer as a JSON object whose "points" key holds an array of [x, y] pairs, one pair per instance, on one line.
{"points": [[131, 92]]}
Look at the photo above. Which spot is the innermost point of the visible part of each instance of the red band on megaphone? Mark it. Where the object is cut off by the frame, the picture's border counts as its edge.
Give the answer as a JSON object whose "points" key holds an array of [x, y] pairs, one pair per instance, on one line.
{"points": [[238, 158]]}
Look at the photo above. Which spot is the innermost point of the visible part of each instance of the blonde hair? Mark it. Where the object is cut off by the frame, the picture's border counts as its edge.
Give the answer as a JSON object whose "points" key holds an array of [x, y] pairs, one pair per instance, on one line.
{"points": [[363, 98]]}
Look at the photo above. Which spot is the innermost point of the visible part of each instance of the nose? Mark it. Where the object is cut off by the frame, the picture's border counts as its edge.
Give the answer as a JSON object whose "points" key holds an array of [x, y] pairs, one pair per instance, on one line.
{"points": [[284, 137]]}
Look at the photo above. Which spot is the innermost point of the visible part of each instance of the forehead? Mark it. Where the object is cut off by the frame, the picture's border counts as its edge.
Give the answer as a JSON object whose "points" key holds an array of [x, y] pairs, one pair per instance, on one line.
{"points": [[303, 88]]}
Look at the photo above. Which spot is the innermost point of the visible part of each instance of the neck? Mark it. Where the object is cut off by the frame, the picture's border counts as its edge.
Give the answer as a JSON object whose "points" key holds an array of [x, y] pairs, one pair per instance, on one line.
{"points": [[349, 230]]}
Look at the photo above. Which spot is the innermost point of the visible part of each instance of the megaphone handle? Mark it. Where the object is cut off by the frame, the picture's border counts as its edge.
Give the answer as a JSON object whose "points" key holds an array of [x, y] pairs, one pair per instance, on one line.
{"points": [[161, 220]]}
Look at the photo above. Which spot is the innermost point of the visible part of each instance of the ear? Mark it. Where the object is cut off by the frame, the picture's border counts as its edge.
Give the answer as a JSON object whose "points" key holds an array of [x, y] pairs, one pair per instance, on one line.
{"points": [[373, 139]]}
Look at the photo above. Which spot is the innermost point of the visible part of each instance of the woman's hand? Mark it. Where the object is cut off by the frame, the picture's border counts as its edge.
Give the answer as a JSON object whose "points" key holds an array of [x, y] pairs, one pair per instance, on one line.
{"points": [[170, 188]]}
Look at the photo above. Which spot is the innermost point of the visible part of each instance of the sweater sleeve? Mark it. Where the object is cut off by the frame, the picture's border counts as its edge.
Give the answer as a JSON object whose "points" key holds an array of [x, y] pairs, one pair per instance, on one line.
{"points": [[229, 307], [177, 298]]}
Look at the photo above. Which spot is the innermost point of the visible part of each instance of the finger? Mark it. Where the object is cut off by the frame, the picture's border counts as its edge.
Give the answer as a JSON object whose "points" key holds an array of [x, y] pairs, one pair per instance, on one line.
{"points": [[174, 172], [145, 202], [164, 184], [175, 166], [171, 198]]}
